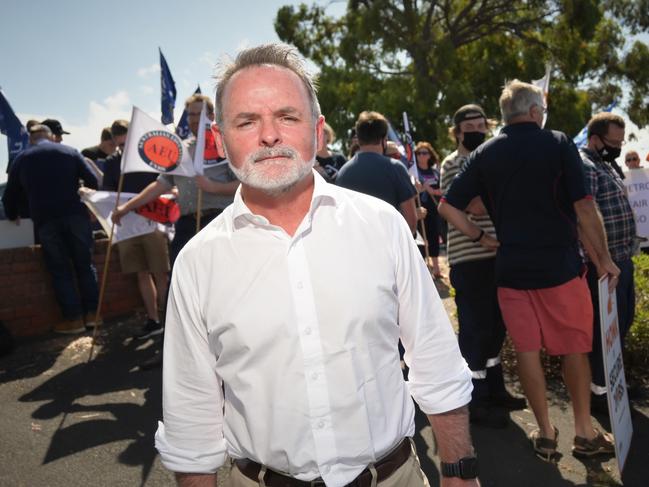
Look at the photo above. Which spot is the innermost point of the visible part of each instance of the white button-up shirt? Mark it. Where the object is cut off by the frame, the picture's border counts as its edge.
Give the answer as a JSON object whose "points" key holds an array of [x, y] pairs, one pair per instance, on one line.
{"points": [[284, 349]]}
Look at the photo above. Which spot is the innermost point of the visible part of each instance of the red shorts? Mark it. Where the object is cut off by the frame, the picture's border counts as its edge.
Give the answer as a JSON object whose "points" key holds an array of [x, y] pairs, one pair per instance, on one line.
{"points": [[559, 318]]}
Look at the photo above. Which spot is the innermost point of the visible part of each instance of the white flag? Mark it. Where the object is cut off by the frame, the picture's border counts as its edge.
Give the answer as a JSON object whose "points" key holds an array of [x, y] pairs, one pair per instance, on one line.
{"points": [[152, 147], [206, 154], [544, 84], [102, 204]]}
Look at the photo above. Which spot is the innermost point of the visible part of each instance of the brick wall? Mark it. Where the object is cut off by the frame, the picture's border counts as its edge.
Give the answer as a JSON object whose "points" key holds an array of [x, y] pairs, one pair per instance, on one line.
{"points": [[27, 304]]}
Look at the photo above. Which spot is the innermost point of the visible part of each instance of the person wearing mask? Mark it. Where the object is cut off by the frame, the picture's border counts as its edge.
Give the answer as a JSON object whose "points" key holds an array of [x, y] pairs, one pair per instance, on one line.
{"points": [[472, 275], [603, 182]]}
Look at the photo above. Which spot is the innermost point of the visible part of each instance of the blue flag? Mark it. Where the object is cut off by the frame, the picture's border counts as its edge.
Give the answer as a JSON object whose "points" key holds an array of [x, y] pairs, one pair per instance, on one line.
{"points": [[168, 92], [182, 129], [17, 138], [581, 139]]}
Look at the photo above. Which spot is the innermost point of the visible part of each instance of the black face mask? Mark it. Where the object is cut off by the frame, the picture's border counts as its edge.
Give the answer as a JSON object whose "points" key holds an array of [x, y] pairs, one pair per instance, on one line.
{"points": [[473, 139], [608, 153]]}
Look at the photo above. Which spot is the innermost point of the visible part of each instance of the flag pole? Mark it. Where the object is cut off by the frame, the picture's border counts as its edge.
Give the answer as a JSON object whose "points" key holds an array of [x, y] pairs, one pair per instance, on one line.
{"points": [[199, 204], [98, 321]]}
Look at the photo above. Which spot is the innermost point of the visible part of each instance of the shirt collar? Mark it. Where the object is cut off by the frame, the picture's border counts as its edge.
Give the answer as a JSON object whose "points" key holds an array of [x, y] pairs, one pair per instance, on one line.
{"points": [[593, 155], [323, 193], [520, 127], [43, 141]]}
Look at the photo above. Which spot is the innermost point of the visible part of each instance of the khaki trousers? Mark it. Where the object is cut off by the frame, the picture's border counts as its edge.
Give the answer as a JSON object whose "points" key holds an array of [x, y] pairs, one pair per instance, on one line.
{"points": [[407, 475]]}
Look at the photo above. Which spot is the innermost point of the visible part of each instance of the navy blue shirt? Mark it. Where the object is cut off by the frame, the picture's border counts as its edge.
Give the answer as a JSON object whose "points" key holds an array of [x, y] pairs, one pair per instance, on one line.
{"points": [[528, 179], [49, 174], [378, 176], [134, 182]]}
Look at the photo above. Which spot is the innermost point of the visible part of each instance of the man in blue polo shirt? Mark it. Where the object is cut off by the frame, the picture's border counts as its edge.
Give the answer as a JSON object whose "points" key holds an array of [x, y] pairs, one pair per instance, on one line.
{"points": [[532, 184], [371, 172], [49, 173]]}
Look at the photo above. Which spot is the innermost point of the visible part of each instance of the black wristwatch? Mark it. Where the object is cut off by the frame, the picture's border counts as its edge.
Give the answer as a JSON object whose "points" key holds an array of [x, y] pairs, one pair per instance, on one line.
{"points": [[464, 468]]}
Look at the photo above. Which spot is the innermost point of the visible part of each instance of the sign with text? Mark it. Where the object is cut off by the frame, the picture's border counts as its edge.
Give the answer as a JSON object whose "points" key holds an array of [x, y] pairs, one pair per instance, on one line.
{"points": [[637, 185], [618, 400]]}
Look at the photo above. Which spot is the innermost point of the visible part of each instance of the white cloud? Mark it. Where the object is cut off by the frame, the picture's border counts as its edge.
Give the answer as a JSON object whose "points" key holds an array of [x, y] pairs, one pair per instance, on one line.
{"points": [[148, 70], [147, 89], [100, 115]]}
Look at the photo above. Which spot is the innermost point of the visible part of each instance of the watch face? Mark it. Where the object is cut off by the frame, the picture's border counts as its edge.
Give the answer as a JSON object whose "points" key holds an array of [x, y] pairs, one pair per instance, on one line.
{"points": [[468, 467]]}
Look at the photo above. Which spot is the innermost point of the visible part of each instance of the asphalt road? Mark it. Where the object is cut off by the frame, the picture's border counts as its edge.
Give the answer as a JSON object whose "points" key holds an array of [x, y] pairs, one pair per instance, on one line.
{"points": [[66, 422]]}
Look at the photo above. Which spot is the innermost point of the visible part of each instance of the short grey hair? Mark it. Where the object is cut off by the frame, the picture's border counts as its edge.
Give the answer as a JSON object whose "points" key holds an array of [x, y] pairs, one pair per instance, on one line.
{"points": [[517, 98], [39, 132], [276, 54]]}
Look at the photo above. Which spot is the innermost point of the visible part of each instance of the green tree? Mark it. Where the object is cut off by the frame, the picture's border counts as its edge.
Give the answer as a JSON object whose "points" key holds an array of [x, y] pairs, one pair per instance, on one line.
{"points": [[430, 57]]}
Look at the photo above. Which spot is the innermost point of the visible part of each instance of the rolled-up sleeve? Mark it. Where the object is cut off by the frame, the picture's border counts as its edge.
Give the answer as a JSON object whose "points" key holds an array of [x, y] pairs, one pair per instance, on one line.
{"points": [[439, 378], [191, 437]]}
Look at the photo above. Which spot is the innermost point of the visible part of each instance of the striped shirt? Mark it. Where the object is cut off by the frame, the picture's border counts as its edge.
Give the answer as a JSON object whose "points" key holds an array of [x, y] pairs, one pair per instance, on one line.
{"points": [[460, 248], [603, 183]]}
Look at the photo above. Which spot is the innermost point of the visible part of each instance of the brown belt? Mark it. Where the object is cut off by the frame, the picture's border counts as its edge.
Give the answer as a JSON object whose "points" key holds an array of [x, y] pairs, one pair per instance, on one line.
{"points": [[384, 468]]}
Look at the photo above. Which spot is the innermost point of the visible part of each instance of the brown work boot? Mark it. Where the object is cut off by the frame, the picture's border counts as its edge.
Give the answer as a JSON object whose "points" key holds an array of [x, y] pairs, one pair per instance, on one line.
{"points": [[70, 327], [89, 320]]}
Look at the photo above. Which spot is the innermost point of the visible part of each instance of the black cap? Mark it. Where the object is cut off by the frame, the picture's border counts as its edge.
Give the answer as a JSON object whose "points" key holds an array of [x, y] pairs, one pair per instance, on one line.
{"points": [[55, 126], [468, 112]]}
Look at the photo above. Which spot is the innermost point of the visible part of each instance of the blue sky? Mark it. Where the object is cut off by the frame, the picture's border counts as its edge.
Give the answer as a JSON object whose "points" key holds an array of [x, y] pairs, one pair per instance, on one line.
{"points": [[87, 62]]}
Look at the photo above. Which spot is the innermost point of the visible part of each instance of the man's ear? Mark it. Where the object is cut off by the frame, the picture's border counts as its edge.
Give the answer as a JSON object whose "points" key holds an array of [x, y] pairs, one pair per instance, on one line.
{"points": [[218, 139], [319, 129]]}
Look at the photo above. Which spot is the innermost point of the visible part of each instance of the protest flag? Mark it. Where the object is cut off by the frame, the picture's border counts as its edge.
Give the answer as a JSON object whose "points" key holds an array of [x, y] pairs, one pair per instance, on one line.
{"points": [[410, 149], [17, 138], [581, 139], [103, 203], [151, 147], [167, 91], [544, 84], [182, 129], [206, 155]]}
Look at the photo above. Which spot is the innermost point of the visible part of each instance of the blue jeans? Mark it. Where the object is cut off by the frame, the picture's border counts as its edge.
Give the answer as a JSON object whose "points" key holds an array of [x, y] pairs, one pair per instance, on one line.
{"points": [[67, 245]]}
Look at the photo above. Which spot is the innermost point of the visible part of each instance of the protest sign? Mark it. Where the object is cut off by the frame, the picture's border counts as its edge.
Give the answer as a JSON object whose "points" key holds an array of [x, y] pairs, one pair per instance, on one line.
{"points": [[618, 400], [637, 186]]}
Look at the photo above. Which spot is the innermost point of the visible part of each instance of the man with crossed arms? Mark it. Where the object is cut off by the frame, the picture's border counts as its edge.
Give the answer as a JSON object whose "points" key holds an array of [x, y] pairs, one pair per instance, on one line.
{"points": [[284, 316]]}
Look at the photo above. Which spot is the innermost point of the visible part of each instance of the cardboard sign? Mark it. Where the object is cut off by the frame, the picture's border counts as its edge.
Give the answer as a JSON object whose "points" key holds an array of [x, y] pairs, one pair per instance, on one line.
{"points": [[618, 400]]}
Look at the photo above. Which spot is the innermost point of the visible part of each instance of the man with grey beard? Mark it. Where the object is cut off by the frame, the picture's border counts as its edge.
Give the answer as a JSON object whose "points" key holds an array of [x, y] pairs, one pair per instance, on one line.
{"points": [[284, 316]]}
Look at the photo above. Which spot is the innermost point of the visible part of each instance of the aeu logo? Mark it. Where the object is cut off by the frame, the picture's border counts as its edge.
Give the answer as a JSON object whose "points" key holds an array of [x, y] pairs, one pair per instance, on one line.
{"points": [[160, 150]]}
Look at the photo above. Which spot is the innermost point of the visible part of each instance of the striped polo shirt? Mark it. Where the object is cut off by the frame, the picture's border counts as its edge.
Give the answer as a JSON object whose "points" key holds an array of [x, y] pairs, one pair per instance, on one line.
{"points": [[460, 248]]}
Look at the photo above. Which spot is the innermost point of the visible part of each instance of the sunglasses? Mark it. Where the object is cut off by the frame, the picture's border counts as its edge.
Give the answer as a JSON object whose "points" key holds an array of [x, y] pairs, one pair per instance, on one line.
{"points": [[422, 153], [631, 159]]}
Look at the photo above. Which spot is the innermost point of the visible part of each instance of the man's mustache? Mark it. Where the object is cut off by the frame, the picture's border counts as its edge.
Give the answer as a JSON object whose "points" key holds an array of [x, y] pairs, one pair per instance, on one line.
{"points": [[270, 152]]}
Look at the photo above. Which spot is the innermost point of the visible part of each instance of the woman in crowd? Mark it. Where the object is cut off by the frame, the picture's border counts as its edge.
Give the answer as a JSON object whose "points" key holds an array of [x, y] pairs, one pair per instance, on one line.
{"points": [[427, 162]]}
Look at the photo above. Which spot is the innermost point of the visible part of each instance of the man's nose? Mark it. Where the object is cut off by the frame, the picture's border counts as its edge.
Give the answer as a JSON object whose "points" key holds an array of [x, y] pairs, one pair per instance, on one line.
{"points": [[270, 135]]}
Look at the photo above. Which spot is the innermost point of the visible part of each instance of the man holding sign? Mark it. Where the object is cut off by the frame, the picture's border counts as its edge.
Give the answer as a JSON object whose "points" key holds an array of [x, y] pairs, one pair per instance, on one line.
{"points": [[605, 139]]}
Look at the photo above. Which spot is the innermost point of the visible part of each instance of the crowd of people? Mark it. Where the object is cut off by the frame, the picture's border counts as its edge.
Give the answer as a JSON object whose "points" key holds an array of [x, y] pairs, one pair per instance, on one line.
{"points": [[284, 312]]}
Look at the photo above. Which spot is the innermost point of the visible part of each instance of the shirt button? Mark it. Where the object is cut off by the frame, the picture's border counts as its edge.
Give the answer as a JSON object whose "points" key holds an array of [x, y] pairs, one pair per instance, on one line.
{"points": [[307, 331], [321, 424], [300, 285], [314, 376]]}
